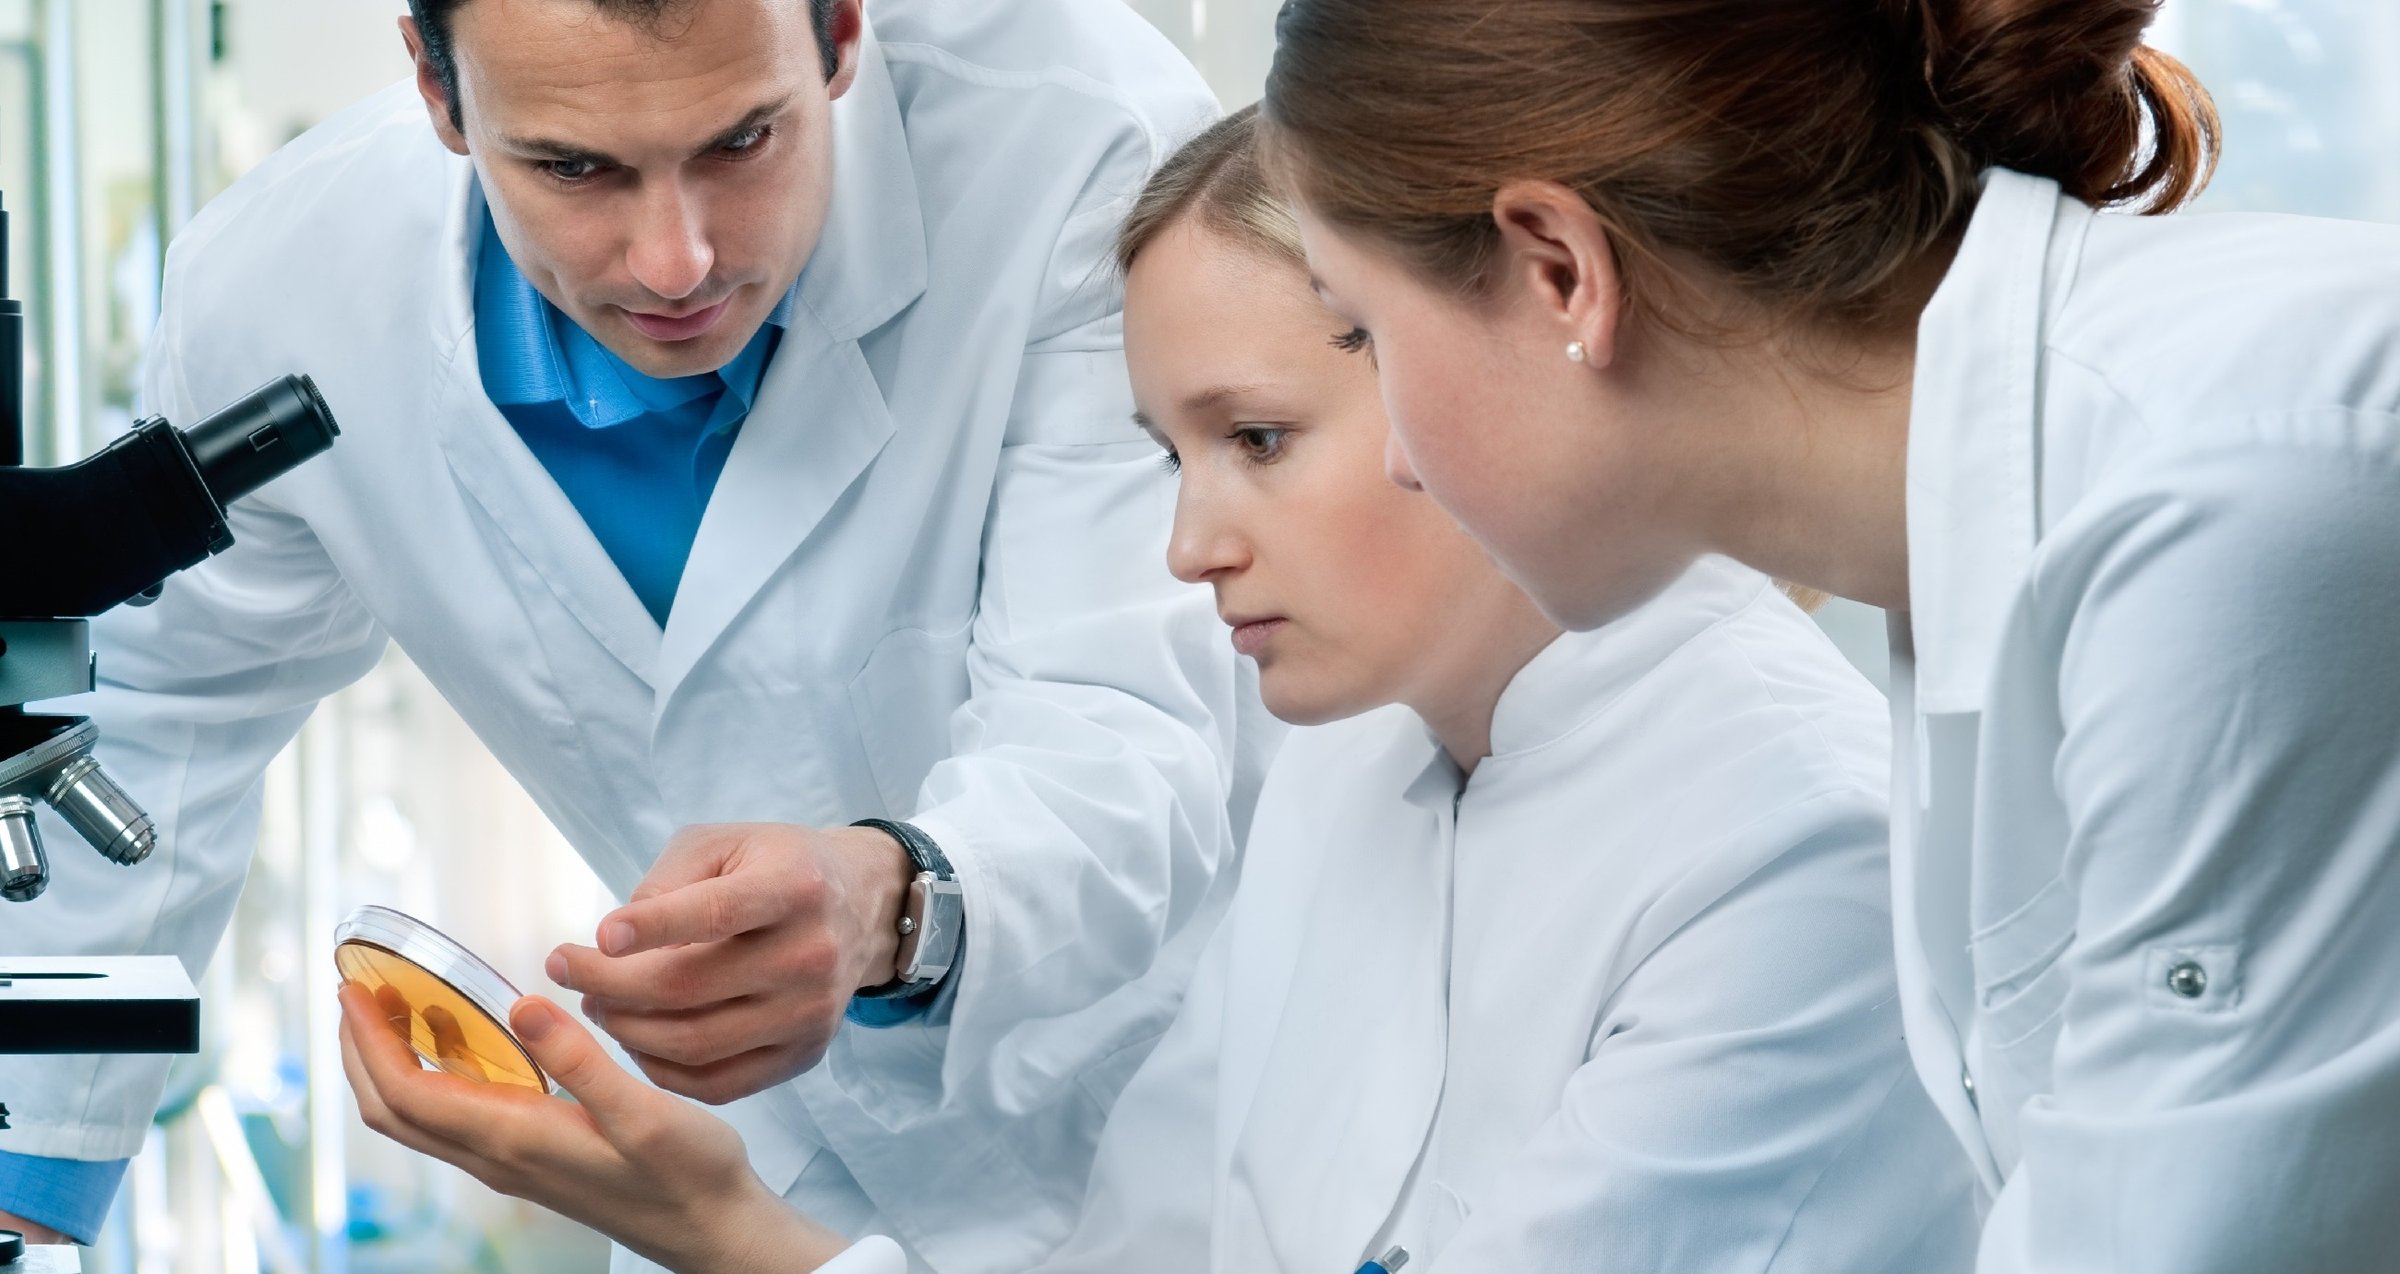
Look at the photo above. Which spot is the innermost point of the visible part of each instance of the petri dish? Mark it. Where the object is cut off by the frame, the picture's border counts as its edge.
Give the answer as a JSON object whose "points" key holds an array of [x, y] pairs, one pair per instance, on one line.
{"points": [[451, 1007]]}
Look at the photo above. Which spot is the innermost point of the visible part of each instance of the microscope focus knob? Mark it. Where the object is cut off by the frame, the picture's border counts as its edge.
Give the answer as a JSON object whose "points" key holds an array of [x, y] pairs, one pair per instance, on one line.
{"points": [[24, 871]]}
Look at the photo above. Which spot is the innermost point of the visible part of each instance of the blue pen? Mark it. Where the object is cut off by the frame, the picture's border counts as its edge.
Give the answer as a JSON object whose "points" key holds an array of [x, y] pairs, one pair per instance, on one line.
{"points": [[1390, 1262]]}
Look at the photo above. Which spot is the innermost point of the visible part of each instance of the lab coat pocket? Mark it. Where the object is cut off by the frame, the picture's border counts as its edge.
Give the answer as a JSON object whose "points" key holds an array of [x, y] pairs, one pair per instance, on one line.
{"points": [[2016, 955], [902, 699], [2021, 991]]}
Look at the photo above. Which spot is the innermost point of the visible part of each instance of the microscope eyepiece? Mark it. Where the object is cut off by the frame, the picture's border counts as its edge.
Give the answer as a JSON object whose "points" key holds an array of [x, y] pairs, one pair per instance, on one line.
{"points": [[260, 438]]}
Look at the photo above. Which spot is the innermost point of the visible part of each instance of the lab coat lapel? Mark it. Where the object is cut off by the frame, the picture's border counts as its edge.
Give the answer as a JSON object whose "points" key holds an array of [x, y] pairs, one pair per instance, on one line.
{"points": [[820, 418], [1354, 1076], [1973, 525], [1972, 479], [494, 466]]}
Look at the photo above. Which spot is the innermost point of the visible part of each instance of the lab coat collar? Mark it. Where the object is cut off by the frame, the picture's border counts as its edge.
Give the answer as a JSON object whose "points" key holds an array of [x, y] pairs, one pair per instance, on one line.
{"points": [[820, 419], [1577, 677], [532, 353], [870, 261], [1972, 481], [495, 467]]}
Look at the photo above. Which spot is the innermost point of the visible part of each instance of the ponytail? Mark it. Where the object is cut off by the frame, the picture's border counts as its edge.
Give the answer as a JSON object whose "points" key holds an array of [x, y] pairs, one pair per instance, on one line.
{"points": [[1808, 152]]}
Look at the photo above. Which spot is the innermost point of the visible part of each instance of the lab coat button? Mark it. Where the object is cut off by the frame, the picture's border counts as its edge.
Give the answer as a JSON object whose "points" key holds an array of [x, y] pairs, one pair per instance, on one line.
{"points": [[2188, 980], [1966, 1080]]}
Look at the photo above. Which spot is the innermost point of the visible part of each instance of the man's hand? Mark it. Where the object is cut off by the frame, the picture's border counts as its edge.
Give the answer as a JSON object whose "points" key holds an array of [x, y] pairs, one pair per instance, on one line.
{"points": [[731, 968], [33, 1233]]}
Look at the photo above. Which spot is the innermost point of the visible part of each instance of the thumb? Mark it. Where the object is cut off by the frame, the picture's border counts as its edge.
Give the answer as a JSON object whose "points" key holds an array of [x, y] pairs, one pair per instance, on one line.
{"points": [[570, 1056]]}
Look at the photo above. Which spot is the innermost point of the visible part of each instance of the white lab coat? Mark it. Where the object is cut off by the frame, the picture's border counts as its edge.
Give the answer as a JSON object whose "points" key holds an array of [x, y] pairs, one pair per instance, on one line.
{"points": [[2147, 849], [1623, 1002], [929, 586]]}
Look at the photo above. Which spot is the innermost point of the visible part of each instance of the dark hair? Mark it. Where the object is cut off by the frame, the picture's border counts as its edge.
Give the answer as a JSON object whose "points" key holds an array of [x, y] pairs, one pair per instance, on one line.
{"points": [[1809, 151], [433, 27]]}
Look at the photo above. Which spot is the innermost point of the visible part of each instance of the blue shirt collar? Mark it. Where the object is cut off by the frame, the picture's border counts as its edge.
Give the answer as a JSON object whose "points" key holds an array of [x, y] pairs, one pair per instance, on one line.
{"points": [[531, 353]]}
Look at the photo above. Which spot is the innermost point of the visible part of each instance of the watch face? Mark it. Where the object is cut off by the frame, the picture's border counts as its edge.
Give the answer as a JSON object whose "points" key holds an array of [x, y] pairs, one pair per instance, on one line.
{"points": [[916, 911], [936, 911]]}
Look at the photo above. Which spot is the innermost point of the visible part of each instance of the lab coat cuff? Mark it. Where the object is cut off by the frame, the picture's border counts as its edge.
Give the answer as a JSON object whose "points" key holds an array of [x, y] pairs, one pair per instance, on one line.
{"points": [[874, 1254], [879, 1013], [71, 1196]]}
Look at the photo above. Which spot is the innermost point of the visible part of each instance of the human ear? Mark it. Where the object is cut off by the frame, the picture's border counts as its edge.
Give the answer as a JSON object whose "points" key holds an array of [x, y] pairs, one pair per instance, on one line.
{"points": [[1556, 253], [429, 86], [849, 39]]}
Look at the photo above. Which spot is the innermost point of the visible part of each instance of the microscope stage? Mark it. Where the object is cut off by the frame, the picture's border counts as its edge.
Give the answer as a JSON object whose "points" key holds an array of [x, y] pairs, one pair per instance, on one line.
{"points": [[97, 1004]]}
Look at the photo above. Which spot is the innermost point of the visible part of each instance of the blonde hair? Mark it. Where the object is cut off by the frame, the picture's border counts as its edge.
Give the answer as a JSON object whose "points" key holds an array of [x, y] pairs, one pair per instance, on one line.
{"points": [[1218, 180]]}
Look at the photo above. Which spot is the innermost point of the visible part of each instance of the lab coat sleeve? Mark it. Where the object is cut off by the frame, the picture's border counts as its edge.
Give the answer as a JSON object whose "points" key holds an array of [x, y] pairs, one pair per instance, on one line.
{"points": [[1152, 1199], [2227, 1064], [1748, 1104], [197, 693], [872, 1255], [1085, 799], [1083, 803]]}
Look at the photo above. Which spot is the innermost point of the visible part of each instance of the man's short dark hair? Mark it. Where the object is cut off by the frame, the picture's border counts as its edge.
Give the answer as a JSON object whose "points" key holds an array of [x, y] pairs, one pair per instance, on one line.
{"points": [[433, 27]]}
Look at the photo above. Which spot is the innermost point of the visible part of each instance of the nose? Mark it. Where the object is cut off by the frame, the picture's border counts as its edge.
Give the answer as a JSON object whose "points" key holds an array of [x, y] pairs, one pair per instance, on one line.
{"points": [[1396, 465], [670, 254], [1203, 546]]}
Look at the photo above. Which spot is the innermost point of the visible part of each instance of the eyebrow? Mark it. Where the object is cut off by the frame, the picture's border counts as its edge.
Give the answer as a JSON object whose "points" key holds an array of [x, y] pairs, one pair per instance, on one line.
{"points": [[566, 152], [1216, 395], [1198, 402]]}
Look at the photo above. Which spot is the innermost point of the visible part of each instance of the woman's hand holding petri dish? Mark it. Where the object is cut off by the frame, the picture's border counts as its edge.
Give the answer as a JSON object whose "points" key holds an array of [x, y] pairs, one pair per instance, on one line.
{"points": [[659, 1175]]}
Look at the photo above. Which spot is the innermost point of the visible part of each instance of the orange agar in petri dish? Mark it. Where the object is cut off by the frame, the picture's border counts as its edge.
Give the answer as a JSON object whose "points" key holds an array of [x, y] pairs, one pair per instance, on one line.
{"points": [[451, 1007]]}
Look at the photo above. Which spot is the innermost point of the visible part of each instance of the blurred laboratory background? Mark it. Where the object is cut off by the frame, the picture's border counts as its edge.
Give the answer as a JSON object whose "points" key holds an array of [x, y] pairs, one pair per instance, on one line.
{"points": [[118, 118]]}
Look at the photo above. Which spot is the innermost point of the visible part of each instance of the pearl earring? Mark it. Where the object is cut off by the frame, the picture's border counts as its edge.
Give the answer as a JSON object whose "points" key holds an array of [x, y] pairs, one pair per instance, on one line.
{"points": [[1576, 353]]}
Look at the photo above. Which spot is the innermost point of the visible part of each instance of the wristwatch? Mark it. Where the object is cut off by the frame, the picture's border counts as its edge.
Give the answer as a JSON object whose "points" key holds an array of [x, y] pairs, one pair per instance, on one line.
{"points": [[933, 918]]}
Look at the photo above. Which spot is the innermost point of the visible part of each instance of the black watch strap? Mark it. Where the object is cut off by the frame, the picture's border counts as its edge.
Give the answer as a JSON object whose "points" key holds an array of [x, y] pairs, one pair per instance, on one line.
{"points": [[922, 851], [940, 926]]}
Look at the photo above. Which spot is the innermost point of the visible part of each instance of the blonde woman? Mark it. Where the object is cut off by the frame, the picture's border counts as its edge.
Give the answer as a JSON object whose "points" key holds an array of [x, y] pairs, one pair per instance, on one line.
{"points": [[1552, 952]]}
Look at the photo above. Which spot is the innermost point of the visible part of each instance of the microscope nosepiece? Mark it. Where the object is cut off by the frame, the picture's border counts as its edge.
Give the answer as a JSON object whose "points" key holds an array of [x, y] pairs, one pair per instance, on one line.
{"points": [[24, 871], [101, 812]]}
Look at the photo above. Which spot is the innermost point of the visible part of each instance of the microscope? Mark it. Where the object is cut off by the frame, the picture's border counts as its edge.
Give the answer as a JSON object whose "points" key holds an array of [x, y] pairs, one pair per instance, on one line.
{"points": [[75, 542], [85, 538]]}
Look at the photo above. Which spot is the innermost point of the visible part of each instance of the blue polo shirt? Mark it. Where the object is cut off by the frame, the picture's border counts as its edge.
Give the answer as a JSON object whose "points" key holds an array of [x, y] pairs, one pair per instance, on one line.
{"points": [[637, 455]]}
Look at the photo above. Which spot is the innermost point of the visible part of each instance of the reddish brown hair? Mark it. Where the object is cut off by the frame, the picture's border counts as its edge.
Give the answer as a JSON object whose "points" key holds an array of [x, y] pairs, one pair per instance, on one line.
{"points": [[1809, 151]]}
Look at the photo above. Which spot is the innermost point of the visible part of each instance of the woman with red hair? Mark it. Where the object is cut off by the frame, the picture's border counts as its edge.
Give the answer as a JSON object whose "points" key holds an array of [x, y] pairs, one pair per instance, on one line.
{"points": [[1842, 289]]}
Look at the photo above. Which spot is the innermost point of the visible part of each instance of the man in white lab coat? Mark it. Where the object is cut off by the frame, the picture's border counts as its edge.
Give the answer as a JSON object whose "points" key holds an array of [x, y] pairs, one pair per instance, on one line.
{"points": [[735, 428]]}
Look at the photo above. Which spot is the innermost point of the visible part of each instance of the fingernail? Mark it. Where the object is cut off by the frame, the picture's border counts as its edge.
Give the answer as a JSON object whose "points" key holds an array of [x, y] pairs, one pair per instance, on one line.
{"points": [[534, 1023], [615, 937], [557, 968]]}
